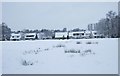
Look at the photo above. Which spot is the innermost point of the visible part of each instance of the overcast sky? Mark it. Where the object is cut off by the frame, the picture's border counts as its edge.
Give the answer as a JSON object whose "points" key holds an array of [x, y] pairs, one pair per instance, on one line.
{"points": [[51, 15], [0, 12]]}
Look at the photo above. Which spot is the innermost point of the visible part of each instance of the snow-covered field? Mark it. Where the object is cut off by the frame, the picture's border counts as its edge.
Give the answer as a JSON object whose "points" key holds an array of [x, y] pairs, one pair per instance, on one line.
{"points": [[75, 56], [0, 58]]}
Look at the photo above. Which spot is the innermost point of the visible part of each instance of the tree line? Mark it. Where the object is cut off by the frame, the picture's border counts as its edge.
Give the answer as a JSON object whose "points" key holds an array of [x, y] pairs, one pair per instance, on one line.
{"points": [[108, 26]]}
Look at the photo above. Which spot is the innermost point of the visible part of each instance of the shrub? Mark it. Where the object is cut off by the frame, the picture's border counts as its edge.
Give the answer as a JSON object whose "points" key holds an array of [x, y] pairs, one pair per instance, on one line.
{"points": [[72, 51], [91, 42], [88, 42], [26, 63], [88, 51], [46, 49], [78, 42], [60, 45]]}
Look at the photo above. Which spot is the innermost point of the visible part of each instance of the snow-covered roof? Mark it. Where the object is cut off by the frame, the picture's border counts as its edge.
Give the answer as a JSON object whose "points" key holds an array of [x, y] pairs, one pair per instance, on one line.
{"points": [[94, 31], [78, 32], [87, 31], [13, 34], [30, 34], [90, 31]]}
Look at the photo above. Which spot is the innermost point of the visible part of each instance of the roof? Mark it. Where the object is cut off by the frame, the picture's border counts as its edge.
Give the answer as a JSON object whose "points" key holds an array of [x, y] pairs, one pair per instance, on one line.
{"points": [[94, 31], [13, 34], [78, 32], [30, 34], [87, 31]]}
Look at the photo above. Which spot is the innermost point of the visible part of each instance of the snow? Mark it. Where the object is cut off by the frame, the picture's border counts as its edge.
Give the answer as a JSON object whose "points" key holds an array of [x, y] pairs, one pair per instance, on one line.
{"points": [[0, 58], [13, 34], [97, 56], [30, 34]]}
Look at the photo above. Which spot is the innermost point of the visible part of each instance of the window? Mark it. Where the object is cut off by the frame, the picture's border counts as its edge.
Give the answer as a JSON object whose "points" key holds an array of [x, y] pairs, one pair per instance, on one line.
{"points": [[95, 33], [82, 33], [30, 36], [76, 34], [12, 36], [17, 36]]}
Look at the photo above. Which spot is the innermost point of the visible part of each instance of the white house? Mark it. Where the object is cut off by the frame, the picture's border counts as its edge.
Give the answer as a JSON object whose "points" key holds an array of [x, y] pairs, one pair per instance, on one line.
{"points": [[61, 35], [77, 35], [95, 34], [31, 36], [15, 37], [87, 34]]}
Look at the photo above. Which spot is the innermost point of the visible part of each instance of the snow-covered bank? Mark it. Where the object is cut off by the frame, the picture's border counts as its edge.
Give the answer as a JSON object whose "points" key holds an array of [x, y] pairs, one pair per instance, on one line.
{"points": [[77, 56]]}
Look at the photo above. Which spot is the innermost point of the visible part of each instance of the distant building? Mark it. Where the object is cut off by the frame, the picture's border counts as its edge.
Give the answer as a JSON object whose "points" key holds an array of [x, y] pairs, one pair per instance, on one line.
{"points": [[77, 35], [42, 35], [95, 34], [15, 37], [31, 36], [92, 27], [84, 34], [61, 35], [87, 34]]}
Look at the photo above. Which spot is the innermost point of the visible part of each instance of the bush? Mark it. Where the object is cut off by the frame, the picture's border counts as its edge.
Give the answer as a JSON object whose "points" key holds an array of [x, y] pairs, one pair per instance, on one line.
{"points": [[78, 42], [91, 42], [88, 51], [26, 63], [88, 42], [72, 51], [46, 49], [60, 45]]}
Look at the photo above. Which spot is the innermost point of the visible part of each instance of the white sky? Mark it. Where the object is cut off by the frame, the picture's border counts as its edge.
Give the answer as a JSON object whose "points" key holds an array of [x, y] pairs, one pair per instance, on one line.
{"points": [[60, 0], [0, 12], [39, 15]]}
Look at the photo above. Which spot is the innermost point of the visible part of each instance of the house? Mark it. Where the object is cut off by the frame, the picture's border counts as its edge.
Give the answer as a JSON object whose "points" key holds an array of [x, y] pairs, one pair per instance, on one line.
{"points": [[61, 35], [87, 34], [31, 36], [42, 36], [15, 37], [95, 34], [77, 35]]}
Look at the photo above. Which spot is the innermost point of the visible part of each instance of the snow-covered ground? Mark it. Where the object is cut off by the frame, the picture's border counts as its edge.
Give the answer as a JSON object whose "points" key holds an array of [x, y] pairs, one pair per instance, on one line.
{"points": [[0, 58], [75, 56]]}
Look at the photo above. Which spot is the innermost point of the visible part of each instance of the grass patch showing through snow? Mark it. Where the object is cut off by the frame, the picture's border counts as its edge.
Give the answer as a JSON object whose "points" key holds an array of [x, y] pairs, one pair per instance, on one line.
{"points": [[78, 42], [27, 63], [89, 42], [82, 53], [71, 52], [59, 45]]}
